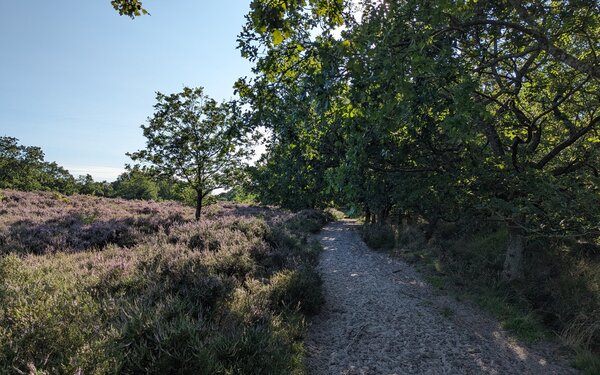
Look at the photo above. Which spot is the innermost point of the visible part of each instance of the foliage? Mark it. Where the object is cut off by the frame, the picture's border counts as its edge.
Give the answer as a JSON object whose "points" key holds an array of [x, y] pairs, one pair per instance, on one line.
{"points": [[24, 168], [444, 110], [299, 289], [588, 362], [334, 213], [135, 185], [378, 236], [309, 221], [238, 194], [42, 223], [131, 8], [226, 295], [86, 185], [194, 139]]}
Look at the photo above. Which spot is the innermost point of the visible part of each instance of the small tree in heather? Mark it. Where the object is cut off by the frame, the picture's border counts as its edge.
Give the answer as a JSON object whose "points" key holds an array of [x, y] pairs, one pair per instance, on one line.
{"points": [[193, 138]]}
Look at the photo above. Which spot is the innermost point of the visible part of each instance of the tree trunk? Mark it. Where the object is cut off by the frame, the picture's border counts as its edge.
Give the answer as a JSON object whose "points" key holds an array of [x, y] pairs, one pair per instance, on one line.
{"points": [[367, 215], [198, 205], [431, 227], [382, 216], [513, 263]]}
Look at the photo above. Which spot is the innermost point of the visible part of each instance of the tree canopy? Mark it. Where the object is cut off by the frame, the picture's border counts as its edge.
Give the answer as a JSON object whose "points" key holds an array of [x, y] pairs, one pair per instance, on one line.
{"points": [[449, 110]]}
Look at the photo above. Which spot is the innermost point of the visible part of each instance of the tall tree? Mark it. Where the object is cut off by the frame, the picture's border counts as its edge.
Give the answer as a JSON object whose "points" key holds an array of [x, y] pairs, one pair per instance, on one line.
{"points": [[536, 69], [193, 138], [447, 109]]}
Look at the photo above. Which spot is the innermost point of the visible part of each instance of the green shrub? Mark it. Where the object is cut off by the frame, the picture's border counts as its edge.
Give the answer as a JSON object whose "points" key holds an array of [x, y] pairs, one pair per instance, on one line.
{"points": [[298, 289], [378, 236], [230, 263], [160, 338], [308, 221], [587, 362], [227, 296], [255, 350], [59, 197], [49, 320], [411, 238]]}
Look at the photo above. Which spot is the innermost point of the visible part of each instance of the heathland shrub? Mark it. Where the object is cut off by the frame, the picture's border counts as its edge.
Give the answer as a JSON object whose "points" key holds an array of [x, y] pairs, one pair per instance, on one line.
{"points": [[297, 289], [41, 223], [309, 221], [378, 236], [223, 296]]}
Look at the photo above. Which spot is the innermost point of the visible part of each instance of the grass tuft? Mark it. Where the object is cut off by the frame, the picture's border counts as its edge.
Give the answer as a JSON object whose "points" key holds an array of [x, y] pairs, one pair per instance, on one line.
{"points": [[587, 362]]}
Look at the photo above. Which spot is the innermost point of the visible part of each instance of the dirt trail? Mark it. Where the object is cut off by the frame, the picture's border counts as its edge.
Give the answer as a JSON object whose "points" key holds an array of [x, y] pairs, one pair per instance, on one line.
{"points": [[382, 318]]}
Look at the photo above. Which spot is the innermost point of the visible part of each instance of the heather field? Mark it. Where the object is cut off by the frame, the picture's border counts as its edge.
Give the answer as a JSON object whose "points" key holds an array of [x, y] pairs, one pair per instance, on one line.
{"points": [[94, 285]]}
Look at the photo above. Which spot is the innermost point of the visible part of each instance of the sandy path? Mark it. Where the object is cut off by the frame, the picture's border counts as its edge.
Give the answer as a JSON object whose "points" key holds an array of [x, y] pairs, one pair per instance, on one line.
{"points": [[382, 318]]}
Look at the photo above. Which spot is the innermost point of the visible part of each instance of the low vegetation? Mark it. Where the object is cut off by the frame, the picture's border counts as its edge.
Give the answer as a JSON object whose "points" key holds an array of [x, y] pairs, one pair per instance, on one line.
{"points": [[95, 285]]}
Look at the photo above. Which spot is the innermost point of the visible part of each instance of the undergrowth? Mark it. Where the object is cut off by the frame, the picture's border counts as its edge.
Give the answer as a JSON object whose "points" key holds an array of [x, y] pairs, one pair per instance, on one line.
{"points": [[559, 297], [229, 295]]}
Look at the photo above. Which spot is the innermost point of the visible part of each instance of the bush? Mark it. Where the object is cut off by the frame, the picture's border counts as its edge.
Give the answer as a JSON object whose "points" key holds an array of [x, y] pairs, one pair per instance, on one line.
{"points": [[588, 362], [378, 236], [298, 289], [225, 296], [309, 221]]}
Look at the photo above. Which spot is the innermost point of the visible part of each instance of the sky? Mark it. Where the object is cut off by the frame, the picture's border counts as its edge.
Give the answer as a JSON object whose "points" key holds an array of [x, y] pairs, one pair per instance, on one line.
{"points": [[78, 80]]}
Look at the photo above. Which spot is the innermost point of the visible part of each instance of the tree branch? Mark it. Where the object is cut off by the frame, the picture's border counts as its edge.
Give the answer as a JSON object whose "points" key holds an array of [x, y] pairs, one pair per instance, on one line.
{"points": [[566, 143], [589, 67]]}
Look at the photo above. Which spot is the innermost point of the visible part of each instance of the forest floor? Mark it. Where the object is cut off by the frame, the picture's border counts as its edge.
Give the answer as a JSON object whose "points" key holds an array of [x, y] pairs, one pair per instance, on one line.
{"points": [[380, 317]]}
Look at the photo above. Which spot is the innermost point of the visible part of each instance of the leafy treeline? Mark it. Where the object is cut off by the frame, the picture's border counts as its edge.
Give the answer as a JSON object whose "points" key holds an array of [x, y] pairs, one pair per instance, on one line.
{"points": [[468, 111], [24, 168]]}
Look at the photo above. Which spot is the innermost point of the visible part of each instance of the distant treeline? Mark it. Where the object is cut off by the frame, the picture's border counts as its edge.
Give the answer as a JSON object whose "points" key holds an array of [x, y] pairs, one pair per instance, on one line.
{"points": [[25, 168]]}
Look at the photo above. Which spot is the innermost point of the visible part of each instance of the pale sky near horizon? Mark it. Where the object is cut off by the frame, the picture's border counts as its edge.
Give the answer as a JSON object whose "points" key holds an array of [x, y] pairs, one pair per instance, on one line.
{"points": [[78, 80]]}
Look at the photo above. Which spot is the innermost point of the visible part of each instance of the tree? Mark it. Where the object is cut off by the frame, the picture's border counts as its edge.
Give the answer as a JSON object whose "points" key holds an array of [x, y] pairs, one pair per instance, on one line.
{"points": [[135, 184], [86, 185], [536, 69], [24, 168], [193, 138], [56, 178], [20, 165], [445, 109]]}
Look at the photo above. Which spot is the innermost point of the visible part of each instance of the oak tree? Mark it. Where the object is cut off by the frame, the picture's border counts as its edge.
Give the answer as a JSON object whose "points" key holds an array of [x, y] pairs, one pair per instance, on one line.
{"points": [[194, 139]]}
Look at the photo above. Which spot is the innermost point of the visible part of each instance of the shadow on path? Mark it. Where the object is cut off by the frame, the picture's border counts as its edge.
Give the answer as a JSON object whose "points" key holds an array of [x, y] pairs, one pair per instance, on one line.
{"points": [[380, 317]]}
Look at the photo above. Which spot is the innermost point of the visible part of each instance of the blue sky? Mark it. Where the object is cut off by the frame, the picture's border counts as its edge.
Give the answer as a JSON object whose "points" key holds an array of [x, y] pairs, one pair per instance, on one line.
{"points": [[78, 80]]}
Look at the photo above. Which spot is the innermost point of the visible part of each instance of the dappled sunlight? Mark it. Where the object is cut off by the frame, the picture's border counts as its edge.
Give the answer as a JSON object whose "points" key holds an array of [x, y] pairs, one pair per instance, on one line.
{"points": [[380, 308], [511, 344]]}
